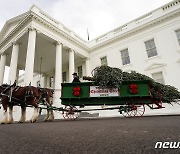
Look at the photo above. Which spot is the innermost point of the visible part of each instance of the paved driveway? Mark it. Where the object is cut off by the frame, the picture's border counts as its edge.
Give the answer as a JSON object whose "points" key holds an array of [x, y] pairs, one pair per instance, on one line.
{"points": [[103, 135]]}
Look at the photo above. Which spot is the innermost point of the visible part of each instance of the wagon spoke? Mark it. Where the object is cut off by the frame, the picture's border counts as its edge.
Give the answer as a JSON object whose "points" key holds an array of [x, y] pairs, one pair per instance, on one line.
{"points": [[132, 113], [126, 110], [70, 113], [140, 110], [133, 110]]}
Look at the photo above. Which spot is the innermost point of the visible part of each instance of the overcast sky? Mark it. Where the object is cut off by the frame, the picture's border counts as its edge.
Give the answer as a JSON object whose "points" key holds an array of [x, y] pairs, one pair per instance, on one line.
{"points": [[99, 16]]}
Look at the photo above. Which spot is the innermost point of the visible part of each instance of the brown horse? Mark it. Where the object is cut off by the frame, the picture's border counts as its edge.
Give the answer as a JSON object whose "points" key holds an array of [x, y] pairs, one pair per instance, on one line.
{"points": [[23, 96], [2, 88], [47, 99]]}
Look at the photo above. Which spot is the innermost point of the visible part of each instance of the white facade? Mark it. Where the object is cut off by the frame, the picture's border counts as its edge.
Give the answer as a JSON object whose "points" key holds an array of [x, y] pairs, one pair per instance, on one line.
{"points": [[38, 44]]}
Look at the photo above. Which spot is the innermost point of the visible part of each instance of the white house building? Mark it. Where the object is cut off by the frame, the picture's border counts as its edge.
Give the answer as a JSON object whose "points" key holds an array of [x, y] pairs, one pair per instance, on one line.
{"points": [[38, 44]]}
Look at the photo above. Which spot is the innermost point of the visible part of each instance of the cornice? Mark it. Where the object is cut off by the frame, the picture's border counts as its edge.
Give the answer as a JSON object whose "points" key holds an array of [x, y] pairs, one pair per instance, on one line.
{"points": [[11, 21], [30, 15], [53, 27], [11, 34]]}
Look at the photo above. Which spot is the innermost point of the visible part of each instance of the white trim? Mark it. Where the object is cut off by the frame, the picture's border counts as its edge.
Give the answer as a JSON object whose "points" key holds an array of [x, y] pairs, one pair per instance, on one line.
{"points": [[173, 31], [155, 68], [155, 65]]}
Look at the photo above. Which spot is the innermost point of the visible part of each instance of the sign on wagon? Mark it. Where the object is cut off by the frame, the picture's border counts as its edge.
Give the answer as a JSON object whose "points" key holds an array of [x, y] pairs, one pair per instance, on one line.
{"points": [[95, 91]]}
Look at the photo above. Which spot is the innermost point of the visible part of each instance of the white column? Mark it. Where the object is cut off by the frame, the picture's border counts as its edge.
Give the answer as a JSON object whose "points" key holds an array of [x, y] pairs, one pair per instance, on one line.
{"points": [[17, 76], [30, 57], [13, 64], [2, 67], [45, 81], [71, 64], [58, 74], [87, 67]]}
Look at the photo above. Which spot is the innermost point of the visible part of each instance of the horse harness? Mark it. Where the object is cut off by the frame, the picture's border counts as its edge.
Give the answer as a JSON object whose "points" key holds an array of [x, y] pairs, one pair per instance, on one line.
{"points": [[13, 88], [44, 93], [29, 94]]}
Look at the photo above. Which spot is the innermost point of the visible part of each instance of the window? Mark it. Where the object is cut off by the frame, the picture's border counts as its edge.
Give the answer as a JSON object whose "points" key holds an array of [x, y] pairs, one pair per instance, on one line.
{"points": [[158, 77], [125, 57], [51, 82], [64, 76], [80, 73], [151, 48], [38, 84], [104, 61], [178, 35]]}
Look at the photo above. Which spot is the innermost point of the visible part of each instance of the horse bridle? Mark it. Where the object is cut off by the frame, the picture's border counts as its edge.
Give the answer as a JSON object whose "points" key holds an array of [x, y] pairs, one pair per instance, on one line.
{"points": [[29, 93], [6, 88]]}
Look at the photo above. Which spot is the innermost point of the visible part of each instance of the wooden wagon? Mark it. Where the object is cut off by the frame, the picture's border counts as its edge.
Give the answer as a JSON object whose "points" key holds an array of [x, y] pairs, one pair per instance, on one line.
{"points": [[130, 99]]}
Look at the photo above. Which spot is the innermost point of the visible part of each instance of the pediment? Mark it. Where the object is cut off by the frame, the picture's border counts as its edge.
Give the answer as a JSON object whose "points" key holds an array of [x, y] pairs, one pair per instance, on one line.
{"points": [[11, 24], [155, 65]]}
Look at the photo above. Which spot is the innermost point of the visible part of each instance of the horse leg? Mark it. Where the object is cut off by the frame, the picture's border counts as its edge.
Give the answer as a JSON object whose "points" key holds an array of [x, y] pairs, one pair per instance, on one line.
{"points": [[5, 107], [5, 119], [11, 120], [47, 115], [50, 115], [35, 115], [23, 114]]}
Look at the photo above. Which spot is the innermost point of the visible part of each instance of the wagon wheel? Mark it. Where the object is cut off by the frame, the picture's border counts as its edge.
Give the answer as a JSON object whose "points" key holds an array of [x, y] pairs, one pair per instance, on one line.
{"points": [[136, 110], [70, 113], [126, 110], [129, 110], [132, 110], [140, 110]]}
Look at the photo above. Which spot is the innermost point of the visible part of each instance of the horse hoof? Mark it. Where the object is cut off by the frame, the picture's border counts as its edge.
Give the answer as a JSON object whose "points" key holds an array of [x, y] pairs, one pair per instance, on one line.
{"points": [[3, 122], [33, 121], [10, 123], [50, 120], [45, 120], [20, 121]]}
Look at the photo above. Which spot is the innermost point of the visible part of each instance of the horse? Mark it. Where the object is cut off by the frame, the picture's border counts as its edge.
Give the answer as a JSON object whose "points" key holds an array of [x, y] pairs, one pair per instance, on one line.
{"points": [[47, 99], [23, 96]]}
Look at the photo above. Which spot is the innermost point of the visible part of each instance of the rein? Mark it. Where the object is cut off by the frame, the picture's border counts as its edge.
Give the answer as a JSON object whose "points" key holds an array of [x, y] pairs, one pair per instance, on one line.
{"points": [[14, 88], [9, 90]]}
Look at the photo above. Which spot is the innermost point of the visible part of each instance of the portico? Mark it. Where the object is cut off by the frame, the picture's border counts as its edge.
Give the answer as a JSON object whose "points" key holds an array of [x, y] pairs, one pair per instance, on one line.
{"points": [[39, 50]]}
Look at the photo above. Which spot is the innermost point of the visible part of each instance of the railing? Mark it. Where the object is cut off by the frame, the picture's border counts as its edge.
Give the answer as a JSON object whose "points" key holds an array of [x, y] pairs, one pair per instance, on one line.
{"points": [[137, 22], [143, 18], [170, 5]]}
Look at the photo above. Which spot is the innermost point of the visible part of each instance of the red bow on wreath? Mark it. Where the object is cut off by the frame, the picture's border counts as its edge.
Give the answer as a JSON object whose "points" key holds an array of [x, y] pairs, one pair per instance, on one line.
{"points": [[133, 88], [76, 91]]}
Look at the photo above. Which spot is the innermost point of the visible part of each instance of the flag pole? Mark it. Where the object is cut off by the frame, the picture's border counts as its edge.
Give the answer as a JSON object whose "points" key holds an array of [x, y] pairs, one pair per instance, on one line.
{"points": [[88, 34]]}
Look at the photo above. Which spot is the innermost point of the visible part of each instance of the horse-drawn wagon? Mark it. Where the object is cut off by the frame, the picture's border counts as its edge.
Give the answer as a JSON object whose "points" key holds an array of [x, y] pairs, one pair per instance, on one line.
{"points": [[130, 98]]}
